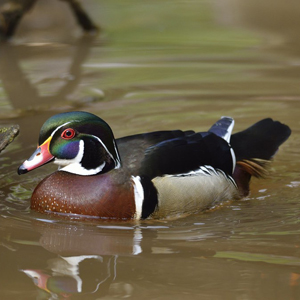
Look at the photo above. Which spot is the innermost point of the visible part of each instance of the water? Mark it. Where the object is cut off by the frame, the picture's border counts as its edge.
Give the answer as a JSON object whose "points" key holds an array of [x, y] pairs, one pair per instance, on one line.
{"points": [[155, 65]]}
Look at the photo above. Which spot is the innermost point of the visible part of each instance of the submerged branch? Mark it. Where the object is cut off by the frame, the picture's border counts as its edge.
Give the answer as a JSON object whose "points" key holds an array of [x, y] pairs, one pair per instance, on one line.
{"points": [[12, 12], [7, 135], [82, 17]]}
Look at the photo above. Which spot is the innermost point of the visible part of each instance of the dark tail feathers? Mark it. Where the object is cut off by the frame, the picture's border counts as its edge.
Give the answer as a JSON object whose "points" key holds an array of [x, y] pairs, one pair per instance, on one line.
{"points": [[254, 147]]}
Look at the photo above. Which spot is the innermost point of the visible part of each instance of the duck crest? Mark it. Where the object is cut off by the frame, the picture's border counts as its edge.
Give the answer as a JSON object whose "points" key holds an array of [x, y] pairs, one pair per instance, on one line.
{"points": [[151, 175]]}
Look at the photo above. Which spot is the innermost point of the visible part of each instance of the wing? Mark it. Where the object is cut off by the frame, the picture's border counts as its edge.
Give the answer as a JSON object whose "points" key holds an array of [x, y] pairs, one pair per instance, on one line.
{"points": [[186, 154], [132, 148]]}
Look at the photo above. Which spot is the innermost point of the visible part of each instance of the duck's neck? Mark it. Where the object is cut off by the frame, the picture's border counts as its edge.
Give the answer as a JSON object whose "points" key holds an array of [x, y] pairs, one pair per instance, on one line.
{"points": [[92, 159]]}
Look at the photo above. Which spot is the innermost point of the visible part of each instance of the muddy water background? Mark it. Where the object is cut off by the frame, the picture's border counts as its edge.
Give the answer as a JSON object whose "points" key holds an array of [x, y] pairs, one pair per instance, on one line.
{"points": [[155, 65]]}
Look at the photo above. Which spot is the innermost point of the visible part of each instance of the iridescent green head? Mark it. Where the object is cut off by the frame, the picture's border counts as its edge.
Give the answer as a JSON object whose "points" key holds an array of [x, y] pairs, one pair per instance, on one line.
{"points": [[79, 142]]}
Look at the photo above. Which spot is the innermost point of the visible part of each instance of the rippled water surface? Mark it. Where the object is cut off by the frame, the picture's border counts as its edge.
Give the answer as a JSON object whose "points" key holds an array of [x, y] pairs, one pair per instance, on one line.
{"points": [[154, 65]]}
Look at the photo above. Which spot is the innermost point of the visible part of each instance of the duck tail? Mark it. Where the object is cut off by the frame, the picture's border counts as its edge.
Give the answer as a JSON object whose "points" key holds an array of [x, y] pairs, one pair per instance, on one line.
{"points": [[254, 148]]}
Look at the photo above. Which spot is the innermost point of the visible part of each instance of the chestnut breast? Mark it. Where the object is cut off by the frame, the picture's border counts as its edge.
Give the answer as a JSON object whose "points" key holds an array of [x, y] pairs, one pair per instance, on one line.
{"points": [[106, 196]]}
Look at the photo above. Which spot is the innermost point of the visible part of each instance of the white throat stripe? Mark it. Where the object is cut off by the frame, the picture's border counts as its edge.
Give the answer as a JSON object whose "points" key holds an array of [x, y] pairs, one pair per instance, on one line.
{"points": [[74, 165]]}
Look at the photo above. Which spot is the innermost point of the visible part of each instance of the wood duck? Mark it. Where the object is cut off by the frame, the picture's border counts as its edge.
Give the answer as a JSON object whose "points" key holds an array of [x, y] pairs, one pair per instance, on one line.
{"points": [[151, 175]]}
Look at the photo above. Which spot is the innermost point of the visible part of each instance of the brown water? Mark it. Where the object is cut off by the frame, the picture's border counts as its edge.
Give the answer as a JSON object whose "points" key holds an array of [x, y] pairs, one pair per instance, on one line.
{"points": [[155, 65]]}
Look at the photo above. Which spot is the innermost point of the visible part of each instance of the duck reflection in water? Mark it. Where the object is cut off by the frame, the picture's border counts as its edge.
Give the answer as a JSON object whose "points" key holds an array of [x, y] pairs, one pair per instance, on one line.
{"points": [[86, 265], [89, 261], [72, 276]]}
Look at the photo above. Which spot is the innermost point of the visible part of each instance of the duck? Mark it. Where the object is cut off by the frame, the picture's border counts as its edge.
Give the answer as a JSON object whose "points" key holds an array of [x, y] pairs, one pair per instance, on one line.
{"points": [[154, 175]]}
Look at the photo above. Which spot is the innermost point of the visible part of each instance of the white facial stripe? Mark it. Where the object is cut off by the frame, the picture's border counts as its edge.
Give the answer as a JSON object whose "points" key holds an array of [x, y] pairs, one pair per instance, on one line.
{"points": [[117, 162], [74, 165], [54, 131], [138, 196]]}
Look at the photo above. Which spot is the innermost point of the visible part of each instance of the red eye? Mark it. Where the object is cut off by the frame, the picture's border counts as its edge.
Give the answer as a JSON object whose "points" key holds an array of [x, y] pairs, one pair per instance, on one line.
{"points": [[68, 133]]}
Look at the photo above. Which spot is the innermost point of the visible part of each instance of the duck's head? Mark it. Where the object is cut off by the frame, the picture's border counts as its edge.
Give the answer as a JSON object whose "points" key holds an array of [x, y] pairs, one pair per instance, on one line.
{"points": [[79, 142]]}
